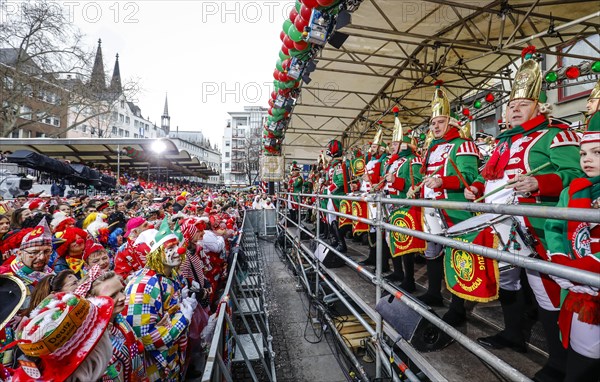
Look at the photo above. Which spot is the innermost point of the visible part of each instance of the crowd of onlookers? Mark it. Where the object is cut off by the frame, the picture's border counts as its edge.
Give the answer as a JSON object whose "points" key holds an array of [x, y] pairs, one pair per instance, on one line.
{"points": [[117, 287]]}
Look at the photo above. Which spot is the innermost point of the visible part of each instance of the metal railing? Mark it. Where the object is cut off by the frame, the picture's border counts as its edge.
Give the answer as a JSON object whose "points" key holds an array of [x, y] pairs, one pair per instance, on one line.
{"points": [[580, 276], [242, 298]]}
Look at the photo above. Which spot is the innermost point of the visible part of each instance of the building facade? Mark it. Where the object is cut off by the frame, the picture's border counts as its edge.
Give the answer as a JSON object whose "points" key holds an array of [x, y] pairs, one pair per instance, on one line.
{"points": [[196, 145], [242, 147]]}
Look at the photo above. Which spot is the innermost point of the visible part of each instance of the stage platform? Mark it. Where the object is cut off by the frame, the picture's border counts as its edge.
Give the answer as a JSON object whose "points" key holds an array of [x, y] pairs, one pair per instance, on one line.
{"points": [[454, 363]]}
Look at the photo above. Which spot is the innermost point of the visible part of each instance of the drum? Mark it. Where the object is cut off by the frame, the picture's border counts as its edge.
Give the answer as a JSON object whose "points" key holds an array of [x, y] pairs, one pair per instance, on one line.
{"points": [[512, 236], [372, 210], [433, 221]]}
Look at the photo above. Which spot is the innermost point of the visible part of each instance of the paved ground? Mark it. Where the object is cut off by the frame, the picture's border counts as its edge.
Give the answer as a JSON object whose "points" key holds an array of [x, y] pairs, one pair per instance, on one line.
{"points": [[296, 359]]}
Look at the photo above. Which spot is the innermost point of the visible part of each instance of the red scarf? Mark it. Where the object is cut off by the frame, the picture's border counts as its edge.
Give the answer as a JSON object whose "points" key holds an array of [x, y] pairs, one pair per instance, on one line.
{"points": [[494, 168]]}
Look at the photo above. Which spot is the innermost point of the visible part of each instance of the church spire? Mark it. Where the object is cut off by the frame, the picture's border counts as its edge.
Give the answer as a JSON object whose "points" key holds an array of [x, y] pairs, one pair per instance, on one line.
{"points": [[165, 119], [115, 82], [98, 80]]}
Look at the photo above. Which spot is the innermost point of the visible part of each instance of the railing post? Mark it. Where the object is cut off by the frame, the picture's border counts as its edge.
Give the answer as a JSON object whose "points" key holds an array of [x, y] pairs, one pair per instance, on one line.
{"points": [[317, 238], [379, 262]]}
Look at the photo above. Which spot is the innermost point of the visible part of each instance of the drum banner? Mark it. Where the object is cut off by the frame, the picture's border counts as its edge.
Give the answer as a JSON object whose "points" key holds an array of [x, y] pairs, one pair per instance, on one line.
{"points": [[401, 244], [472, 276], [359, 209], [345, 208]]}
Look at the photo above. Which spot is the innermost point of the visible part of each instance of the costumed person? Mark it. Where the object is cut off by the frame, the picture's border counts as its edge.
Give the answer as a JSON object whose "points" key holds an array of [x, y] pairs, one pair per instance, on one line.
{"points": [[71, 251], [65, 339], [450, 164], [132, 257], [592, 109], [577, 244], [295, 184], [12, 295], [338, 178], [402, 171], [159, 309], [95, 254], [358, 208], [127, 362], [521, 152], [372, 182], [215, 261], [31, 262]]}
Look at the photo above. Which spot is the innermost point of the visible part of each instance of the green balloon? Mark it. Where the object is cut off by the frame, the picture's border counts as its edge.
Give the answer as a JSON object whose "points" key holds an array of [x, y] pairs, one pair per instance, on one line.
{"points": [[277, 112], [283, 56], [277, 118], [279, 65], [294, 34], [286, 25], [298, 6]]}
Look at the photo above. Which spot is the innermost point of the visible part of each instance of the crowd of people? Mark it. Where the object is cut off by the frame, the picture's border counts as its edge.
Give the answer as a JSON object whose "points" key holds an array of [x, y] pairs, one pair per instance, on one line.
{"points": [[115, 287], [534, 161]]}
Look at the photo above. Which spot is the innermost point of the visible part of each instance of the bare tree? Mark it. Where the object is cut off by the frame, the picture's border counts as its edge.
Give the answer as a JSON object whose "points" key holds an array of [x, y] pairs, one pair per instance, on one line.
{"points": [[45, 70], [252, 152]]}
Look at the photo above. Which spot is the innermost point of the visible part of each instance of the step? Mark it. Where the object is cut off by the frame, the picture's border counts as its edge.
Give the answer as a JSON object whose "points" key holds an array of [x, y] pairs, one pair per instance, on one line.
{"points": [[245, 341]]}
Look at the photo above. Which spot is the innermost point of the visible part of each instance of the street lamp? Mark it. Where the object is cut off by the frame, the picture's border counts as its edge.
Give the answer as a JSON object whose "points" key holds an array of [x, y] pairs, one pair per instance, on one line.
{"points": [[158, 146]]}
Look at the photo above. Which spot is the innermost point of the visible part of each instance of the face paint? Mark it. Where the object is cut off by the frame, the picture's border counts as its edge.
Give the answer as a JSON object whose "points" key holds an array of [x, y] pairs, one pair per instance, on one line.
{"points": [[172, 257]]}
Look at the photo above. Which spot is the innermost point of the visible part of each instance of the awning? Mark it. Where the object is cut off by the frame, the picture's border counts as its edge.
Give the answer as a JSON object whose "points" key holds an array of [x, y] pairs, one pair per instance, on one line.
{"points": [[157, 154], [397, 49]]}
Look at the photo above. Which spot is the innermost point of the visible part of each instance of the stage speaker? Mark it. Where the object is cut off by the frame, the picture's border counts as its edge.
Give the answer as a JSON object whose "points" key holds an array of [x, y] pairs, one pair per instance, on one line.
{"points": [[328, 259], [420, 333]]}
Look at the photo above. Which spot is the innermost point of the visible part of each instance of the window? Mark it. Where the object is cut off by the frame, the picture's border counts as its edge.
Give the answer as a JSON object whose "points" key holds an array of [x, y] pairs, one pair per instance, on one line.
{"points": [[83, 128], [135, 135], [121, 118], [25, 112], [227, 166], [92, 131], [126, 133], [227, 154], [582, 48], [127, 120], [56, 121], [122, 104], [114, 129], [15, 134], [227, 143], [120, 132]]}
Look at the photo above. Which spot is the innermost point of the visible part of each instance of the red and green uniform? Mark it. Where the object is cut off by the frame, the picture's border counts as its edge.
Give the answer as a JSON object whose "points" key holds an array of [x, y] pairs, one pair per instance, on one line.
{"points": [[520, 150], [453, 154], [406, 166], [295, 185], [577, 244]]}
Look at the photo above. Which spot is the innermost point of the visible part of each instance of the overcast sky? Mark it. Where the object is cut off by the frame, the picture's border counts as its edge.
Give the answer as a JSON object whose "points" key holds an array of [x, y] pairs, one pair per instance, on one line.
{"points": [[210, 56]]}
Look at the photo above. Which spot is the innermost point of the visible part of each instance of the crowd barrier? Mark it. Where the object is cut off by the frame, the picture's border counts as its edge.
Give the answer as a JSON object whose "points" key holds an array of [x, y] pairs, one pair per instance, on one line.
{"points": [[384, 350]]}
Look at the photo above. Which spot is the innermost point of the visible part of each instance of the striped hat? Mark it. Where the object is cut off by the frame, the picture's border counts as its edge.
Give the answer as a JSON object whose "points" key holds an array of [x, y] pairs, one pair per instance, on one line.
{"points": [[39, 237]]}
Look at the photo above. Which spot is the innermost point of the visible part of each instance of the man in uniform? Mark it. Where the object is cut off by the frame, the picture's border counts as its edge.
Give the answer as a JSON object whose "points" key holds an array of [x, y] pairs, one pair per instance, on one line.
{"points": [[450, 162], [529, 143], [295, 186], [593, 108], [402, 171], [375, 159], [338, 185]]}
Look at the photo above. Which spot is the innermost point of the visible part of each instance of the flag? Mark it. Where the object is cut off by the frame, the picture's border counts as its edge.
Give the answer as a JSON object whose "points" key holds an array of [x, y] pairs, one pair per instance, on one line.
{"points": [[345, 208], [401, 244], [469, 275], [359, 209]]}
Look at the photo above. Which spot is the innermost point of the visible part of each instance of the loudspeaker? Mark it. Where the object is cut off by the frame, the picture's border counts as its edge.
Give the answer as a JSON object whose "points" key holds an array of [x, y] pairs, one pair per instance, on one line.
{"points": [[338, 39], [328, 259], [420, 333]]}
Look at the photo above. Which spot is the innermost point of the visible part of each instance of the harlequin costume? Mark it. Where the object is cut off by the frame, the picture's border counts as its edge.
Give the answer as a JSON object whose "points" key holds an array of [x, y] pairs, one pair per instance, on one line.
{"points": [[152, 296], [519, 150], [577, 244], [132, 257], [405, 168], [127, 362]]}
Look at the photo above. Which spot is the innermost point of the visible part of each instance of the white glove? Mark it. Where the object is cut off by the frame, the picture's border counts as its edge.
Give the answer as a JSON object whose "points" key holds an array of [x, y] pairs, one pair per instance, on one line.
{"points": [[584, 289], [563, 283], [195, 285], [185, 292], [188, 305]]}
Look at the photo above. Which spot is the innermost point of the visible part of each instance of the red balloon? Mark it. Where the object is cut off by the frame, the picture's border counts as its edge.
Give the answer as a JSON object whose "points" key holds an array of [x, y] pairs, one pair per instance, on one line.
{"points": [[297, 85], [300, 23], [276, 74], [300, 45], [282, 34], [305, 12], [273, 94], [285, 50], [310, 3], [271, 103], [293, 14], [325, 3], [288, 42], [270, 111], [286, 64]]}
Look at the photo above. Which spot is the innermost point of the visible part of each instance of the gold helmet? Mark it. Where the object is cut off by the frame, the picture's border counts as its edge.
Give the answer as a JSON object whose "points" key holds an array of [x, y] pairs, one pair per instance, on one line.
{"points": [[397, 134], [595, 91], [440, 106], [465, 131], [378, 137], [528, 80]]}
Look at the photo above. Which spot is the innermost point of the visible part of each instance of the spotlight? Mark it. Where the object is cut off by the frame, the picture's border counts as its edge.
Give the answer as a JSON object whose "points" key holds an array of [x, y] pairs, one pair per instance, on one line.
{"points": [[306, 78], [344, 18], [338, 39]]}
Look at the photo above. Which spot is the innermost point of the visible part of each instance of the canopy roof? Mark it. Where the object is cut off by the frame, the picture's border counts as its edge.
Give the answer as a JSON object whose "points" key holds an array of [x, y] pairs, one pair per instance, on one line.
{"points": [[397, 49], [153, 153]]}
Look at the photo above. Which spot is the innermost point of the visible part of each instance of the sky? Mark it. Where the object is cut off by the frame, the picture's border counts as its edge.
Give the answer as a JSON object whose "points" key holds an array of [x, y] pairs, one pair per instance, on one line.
{"points": [[211, 57]]}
